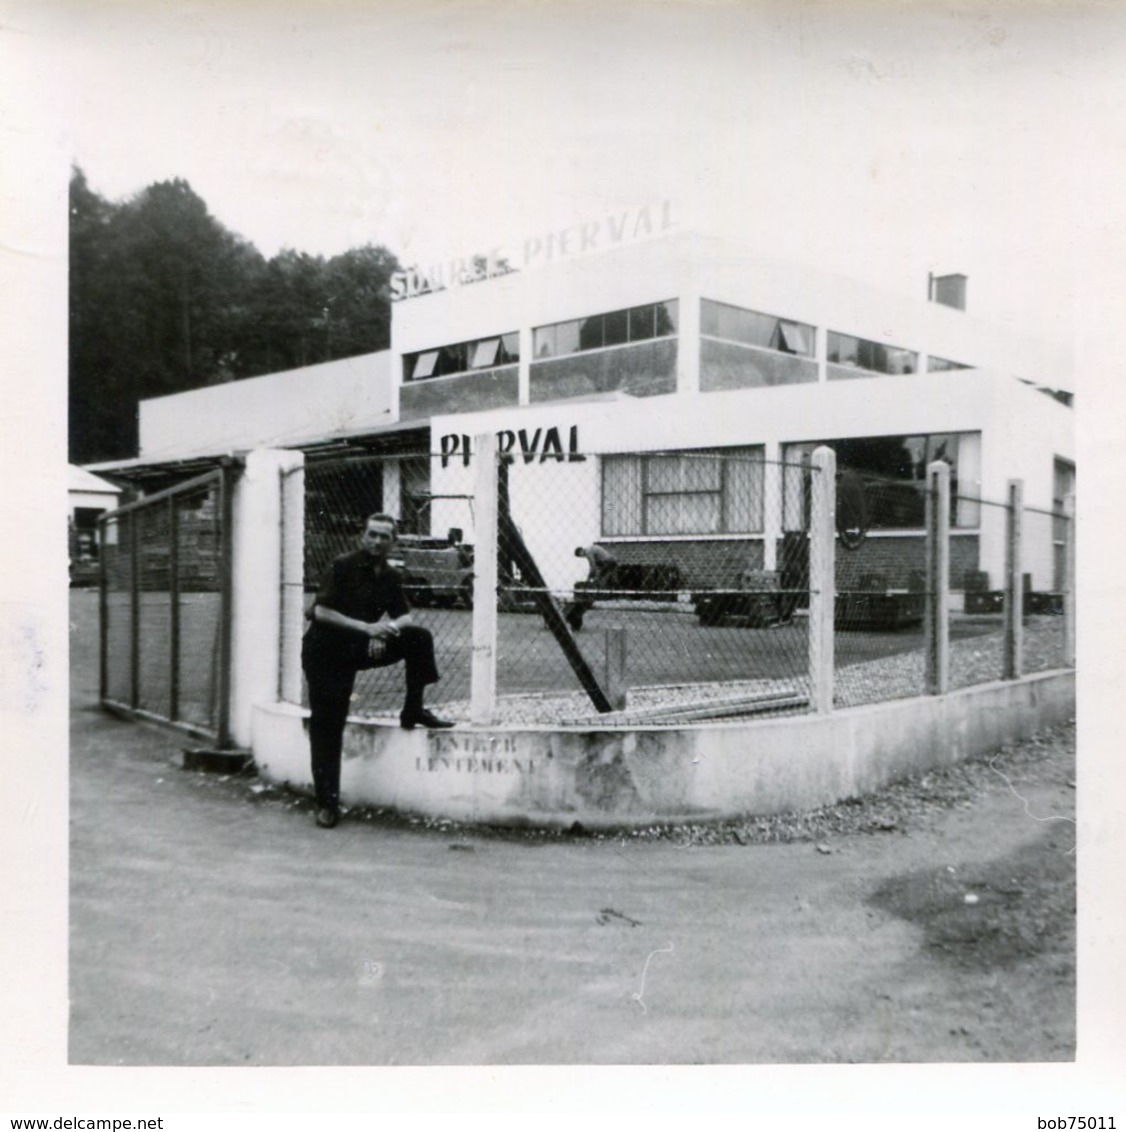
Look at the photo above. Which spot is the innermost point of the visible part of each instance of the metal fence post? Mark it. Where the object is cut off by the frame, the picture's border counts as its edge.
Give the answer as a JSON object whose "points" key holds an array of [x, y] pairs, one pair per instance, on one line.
{"points": [[483, 670], [1069, 581], [936, 620], [134, 614], [103, 608], [614, 672], [281, 585], [226, 605], [1014, 587], [822, 578], [174, 608]]}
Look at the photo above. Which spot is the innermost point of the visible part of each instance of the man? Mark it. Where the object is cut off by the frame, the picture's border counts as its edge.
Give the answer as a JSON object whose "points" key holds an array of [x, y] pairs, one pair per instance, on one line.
{"points": [[360, 619], [602, 573]]}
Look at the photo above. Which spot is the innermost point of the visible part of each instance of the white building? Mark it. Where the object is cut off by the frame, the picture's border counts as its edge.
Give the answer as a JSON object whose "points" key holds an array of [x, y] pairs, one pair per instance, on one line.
{"points": [[585, 363], [88, 498]]}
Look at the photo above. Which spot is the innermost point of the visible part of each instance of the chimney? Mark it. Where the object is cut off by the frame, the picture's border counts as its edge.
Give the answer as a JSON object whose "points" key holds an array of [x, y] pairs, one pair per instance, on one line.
{"points": [[949, 290]]}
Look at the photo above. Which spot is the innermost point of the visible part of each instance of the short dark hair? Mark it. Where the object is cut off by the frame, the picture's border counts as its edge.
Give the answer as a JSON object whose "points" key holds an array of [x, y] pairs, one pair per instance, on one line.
{"points": [[383, 517]]}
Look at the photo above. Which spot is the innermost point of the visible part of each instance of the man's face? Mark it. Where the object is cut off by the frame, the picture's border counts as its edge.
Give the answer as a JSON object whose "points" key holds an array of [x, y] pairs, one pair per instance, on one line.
{"points": [[377, 539]]}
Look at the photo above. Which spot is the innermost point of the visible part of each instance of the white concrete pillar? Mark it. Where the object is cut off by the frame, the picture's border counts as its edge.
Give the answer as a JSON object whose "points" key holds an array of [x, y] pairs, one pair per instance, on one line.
{"points": [[936, 619], [256, 574], [292, 628], [822, 577], [483, 670], [1014, 586]]}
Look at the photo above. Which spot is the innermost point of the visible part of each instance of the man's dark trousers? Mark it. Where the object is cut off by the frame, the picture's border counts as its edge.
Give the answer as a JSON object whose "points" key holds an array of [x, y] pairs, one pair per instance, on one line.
{"points": [[331, 678]]}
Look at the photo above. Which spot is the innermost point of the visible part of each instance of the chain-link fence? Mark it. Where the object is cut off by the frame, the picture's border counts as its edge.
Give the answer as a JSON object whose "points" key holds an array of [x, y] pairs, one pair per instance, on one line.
{"points": [[881, 588], [668, 597], [437, 568], [668, 587], [977, 622], [883, 594], [162, 607]]}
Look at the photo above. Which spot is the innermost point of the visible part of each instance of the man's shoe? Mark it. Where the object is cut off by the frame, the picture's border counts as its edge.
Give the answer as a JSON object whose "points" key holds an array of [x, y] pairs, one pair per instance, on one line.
{"points": [[327, 818], [409, 720]]}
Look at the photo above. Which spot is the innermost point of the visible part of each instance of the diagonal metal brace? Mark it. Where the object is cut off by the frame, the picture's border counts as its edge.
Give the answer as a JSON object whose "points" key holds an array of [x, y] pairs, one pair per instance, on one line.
{"points": [[513, 543]]}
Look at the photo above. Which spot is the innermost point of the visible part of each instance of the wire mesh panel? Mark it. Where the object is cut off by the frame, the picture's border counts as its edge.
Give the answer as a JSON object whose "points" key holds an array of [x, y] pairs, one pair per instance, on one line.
{"points": [[432, 555], [1043, 545], [977, 623], [670, 587], [198, 593], [645, 578], [153, 629], [117, 609], [881, 593], [162, 607]]}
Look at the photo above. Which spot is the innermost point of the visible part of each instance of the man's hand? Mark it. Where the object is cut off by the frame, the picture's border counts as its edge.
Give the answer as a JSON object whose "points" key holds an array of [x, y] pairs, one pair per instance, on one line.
{"points": [[382, 630]]}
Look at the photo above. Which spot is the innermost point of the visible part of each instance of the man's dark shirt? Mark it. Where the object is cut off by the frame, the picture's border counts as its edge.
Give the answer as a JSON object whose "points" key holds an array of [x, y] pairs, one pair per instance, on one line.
{"points": [[355, 586]]}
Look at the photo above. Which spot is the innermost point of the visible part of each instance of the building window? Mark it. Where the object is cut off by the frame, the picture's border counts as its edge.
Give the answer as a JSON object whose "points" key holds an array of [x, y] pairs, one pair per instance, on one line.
{"points": [[750, 328], [635, 324], [423, 365], [1063, 485], [894, 470], [706, 492], [860, 353], [462, 357]]}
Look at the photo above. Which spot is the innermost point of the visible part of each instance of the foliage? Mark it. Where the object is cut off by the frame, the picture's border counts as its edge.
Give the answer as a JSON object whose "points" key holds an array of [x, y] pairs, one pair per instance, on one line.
{"points": [[163, 298]]}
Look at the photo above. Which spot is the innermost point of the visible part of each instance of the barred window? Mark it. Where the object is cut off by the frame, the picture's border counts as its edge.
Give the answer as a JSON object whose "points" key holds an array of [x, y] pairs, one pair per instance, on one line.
{"points": [[710, 491], [752, 328], [615, 328]]}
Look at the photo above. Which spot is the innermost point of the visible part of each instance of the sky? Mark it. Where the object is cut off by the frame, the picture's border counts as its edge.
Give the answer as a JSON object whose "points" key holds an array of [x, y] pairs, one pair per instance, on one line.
{"points": [[882, 140]]}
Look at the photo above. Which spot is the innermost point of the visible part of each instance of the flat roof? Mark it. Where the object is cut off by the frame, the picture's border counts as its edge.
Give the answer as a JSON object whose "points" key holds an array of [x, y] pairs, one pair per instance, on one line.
{"points": [[188, 463]]}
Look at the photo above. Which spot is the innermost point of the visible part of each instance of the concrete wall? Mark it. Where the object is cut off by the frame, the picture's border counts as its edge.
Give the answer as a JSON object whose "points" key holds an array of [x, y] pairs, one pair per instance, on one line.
{"points": [[630, 777]]}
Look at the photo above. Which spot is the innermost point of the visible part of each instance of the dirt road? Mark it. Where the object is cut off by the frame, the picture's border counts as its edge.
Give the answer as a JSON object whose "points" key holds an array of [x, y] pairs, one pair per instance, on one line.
{"points": [[212, 924]]}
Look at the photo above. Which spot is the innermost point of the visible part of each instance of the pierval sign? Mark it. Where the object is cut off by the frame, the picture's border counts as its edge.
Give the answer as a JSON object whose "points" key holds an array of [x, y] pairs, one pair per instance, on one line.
{"points": [[531, 445], [629, 225]]}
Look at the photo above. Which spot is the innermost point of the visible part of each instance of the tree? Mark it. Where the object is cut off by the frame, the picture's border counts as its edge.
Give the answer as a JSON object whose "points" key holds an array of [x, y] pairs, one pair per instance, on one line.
{"points": [[102, 407], [190, 277], [163, 298], [357, 307]]}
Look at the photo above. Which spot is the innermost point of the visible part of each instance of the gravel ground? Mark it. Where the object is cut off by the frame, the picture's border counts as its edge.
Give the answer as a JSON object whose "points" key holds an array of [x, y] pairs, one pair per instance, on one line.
{"points": [[978, 660], [900, 807]]}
